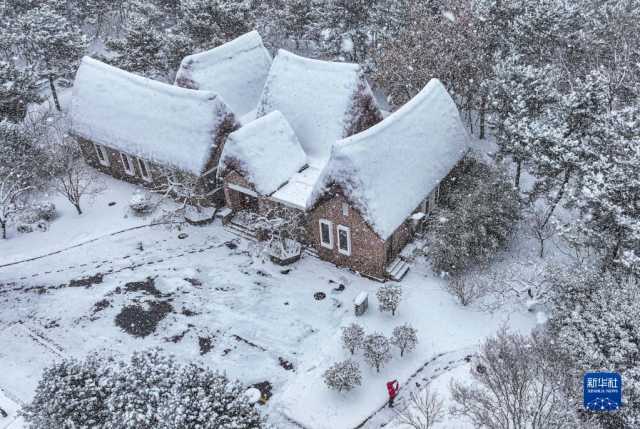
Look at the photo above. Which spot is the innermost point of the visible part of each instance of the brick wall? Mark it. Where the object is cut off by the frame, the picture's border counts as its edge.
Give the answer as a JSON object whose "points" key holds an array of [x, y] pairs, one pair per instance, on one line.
{"points": [[235, 199], [367, 249]]}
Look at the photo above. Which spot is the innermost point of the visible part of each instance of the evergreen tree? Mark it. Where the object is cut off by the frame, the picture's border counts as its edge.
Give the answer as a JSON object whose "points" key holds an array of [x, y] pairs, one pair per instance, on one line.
{"points": [[50, 43], [17, 89]]}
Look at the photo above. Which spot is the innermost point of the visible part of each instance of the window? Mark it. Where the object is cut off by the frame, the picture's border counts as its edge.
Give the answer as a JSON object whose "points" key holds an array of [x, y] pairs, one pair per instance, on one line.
{"points": [[127, 164], [144, 171], [326, 234], [345, 209], [344, 240], [103, 156]]}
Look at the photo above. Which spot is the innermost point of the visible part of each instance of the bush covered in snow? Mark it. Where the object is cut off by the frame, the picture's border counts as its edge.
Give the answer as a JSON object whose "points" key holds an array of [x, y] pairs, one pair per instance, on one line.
{"points": [[352, 337], [45, 210], [404, 337], [71, 393], [478, 211], [141, 203], [377, 350], [389, 296], [343, 376], [150, 390]]}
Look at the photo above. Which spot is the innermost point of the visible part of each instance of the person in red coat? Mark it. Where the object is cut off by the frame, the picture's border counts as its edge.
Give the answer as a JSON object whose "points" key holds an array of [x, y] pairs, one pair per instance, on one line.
{"points": [[392, 388]]}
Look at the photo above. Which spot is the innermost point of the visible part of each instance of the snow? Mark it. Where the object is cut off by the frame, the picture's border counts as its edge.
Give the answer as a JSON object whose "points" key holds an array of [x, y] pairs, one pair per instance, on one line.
{"points": [[266, 151], [297, 192], [362, 296], [236, 70], [253, 311], [387, 170], [315, 96], [158, 122]]}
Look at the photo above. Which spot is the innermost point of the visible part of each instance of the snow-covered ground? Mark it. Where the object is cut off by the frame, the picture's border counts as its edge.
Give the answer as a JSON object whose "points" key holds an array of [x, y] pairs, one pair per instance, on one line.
{"points": [[261, 320]]}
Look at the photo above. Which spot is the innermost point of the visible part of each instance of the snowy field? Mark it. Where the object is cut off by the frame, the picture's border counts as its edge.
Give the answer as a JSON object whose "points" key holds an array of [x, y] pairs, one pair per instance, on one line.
{"points": [[224, 305]]}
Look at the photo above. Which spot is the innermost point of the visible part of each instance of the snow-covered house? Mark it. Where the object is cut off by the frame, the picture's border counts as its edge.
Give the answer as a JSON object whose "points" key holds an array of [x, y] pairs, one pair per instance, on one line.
{"points": [[134, 128], [236, 70], [376, 181], [320, 102]]}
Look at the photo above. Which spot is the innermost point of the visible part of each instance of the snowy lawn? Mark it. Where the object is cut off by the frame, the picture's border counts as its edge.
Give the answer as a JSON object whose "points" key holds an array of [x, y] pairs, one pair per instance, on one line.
{"points": [[213, 299]]}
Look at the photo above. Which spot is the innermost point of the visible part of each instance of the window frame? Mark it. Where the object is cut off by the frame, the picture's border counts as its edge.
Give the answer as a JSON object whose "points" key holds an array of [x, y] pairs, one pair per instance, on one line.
{"points": [[127, 161], [347, 230], [142, 167], [345, 209], [329, 224], [103, 155]]}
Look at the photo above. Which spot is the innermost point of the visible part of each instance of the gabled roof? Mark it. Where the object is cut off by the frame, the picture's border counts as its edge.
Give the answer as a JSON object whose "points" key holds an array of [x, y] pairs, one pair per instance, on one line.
{"points": [[161, 123], [236, 70], [318, 98], [266, 152], [388, 170]]}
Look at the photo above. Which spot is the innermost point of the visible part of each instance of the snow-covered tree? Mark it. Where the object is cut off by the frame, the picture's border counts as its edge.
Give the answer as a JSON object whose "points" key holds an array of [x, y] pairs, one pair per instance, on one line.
{"points": [[71, 177], [389, 296], [50, 43], [343, 376], [210, 23], [17, 89], [142, 50], [518, 383], [519, 96], [20, 164], [204, 399], [187, 190], [70, 394], [352, 337], [425, 410], [595, 327], [377, 350], [405, 338], [476, 216]]}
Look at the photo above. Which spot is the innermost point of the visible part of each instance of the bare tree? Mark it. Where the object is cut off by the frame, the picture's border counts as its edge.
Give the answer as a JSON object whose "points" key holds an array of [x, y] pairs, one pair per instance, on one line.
{"points": [[389, 296], [283, 228], [71, 177], [352, 337], [468, 287], [377, 350], [404, 337], [187, 190], [424, 411], [518, 384], [541, 227]]}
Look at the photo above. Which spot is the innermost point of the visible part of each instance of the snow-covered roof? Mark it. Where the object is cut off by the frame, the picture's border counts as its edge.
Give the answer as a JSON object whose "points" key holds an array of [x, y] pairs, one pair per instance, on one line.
{"points": [[142, 117], [388, 170], [298, 190], [318, 98], [236, 70], [266, 151]]}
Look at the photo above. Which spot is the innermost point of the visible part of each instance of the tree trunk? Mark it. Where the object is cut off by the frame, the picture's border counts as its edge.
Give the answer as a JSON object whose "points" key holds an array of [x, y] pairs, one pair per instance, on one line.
{"points": [[4, 229], [78, 209], [54, 93], [558, 198], [518, 171], [542, 248], [482, 119]]}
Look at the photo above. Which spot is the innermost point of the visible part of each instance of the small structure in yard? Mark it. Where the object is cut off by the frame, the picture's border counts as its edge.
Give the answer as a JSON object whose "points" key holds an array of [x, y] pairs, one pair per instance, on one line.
{"points": [[137, 129], [361, 303], [284, 251]]}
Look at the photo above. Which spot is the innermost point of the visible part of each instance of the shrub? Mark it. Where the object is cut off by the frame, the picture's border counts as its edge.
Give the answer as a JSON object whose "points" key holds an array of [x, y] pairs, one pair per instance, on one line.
{"points": [[69, 394], [352, 337], [477, 214], [389, 296], [405, 338], [45, 211], [141, 203], [343, 376], [377, 350]]}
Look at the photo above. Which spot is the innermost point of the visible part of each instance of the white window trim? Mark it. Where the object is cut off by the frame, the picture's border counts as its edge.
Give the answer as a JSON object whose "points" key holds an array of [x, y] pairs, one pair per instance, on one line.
{"points": [[328, 245], [348, 231], [142, 163], [345, 209], [126, 160], [101, 151]]}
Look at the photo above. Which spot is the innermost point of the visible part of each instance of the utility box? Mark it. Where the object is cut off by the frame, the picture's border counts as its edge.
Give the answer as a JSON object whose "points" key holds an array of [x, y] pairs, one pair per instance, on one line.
{"points": [[361, 303]]}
